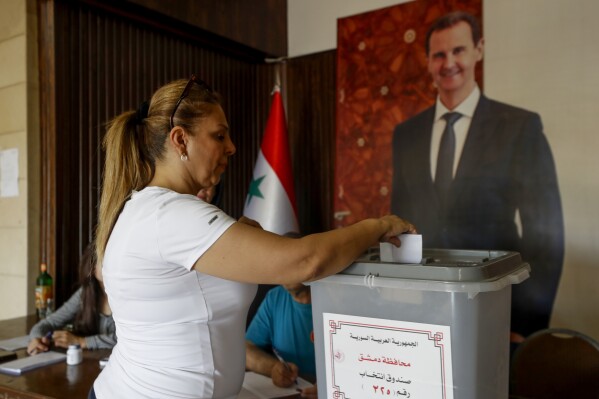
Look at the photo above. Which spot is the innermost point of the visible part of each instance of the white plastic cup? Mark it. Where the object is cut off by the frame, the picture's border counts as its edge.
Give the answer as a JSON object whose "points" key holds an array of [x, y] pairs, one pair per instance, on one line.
{"points": [[74, 355]]}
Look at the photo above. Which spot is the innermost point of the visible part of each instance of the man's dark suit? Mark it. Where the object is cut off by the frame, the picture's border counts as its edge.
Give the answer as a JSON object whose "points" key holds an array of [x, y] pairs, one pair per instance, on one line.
{"points": [[506, 165]]}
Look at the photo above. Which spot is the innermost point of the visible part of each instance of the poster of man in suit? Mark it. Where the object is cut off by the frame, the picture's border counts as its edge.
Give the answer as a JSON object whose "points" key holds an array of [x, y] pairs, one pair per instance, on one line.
{"points": [[501, 190]]}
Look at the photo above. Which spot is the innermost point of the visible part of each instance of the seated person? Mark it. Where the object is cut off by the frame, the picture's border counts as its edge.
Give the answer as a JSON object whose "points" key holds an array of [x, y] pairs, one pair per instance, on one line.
{"points": [[87, 310], [283, 323]]}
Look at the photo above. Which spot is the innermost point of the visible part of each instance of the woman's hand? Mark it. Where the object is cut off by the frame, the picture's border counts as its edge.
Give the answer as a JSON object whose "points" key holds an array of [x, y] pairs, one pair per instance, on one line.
{"points": [[63, 339], [38, 345], [396, 226]]}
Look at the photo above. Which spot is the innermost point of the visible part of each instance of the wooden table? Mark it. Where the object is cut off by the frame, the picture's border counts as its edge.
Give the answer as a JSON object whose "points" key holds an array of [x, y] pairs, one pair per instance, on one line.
{"points": [[57, 381]]}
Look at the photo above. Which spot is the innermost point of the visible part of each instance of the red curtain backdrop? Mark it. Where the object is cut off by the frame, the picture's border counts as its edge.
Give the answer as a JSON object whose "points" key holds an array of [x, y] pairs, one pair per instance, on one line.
{"points": [[382, 80]]}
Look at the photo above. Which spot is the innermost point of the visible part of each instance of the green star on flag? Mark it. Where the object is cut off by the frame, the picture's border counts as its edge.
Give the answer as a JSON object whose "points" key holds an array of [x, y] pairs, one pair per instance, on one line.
{"points": [[272, 178], [255, 189]]}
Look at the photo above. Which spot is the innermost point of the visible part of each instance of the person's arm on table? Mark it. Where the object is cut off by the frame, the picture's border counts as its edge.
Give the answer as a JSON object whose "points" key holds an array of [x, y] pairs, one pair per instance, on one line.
{"points": [[100, 341], [65, 338], [53, 323], [263, 363], [41, 344]]}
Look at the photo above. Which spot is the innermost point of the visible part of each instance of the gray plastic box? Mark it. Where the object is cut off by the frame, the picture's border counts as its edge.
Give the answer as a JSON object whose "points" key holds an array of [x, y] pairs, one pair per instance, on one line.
{"points": [[466, 290]]}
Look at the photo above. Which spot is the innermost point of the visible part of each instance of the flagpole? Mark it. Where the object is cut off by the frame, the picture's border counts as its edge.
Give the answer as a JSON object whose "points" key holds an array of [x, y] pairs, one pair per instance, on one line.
{"points": [[280, 76], [271, 197]]}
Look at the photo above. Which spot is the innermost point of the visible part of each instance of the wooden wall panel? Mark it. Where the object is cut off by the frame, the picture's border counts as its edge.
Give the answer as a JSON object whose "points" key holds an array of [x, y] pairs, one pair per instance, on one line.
{"points": [[97, 64], [261, 25], [97, 61], [311, 124]]}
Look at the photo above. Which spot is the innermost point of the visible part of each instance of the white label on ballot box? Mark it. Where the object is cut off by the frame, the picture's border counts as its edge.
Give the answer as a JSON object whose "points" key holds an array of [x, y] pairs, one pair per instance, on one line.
{"points": [[378, 358]]}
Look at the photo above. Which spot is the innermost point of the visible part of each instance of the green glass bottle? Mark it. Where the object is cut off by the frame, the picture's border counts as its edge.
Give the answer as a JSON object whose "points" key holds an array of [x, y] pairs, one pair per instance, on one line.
{"points": [[43, 291]]}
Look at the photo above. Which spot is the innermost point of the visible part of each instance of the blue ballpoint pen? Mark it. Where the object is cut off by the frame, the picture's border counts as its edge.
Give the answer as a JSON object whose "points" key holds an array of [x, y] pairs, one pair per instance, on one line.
{"points": [[48, 336]]}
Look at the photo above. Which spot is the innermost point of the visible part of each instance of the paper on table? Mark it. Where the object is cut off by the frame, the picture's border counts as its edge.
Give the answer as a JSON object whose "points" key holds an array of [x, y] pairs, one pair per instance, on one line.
{"points": [[263, 387], [16, 367], [245, 394], [13, 344]]}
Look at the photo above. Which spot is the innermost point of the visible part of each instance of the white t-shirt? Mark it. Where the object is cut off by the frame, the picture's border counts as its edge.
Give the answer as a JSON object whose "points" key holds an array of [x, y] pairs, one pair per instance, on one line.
{"points": [[180, 332]]}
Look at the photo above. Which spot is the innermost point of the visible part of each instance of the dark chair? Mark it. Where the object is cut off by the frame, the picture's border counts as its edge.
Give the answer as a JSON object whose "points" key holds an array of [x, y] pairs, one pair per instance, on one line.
{"points": [[555, 363]]}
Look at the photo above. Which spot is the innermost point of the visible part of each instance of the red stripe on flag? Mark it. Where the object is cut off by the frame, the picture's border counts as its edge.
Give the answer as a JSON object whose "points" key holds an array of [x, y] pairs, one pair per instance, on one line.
{"points": [[275, 147]]}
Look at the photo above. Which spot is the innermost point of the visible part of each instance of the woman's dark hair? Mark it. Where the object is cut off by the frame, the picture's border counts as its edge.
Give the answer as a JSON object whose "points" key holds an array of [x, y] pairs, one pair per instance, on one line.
{"points": [[92, 294]]}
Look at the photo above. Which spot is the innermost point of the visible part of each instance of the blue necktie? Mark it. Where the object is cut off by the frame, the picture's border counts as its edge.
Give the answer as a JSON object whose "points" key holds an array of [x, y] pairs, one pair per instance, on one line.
{"points": [[444, 173]]}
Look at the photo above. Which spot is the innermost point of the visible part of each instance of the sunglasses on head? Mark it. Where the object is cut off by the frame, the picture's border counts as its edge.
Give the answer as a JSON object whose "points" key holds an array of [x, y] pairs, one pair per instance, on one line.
{"points": [[185, 93]]}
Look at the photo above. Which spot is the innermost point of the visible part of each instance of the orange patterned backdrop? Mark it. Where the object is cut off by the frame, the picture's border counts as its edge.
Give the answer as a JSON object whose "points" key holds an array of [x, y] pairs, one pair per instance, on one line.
{"points": [[382, 80]]}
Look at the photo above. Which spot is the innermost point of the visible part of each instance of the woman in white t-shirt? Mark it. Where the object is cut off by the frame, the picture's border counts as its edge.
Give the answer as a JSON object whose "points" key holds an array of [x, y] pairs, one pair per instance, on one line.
{"points": [[179, 273]]}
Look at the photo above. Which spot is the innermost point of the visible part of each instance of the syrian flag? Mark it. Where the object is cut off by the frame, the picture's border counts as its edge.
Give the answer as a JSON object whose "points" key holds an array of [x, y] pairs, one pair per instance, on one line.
{"points": [[271, 197]]}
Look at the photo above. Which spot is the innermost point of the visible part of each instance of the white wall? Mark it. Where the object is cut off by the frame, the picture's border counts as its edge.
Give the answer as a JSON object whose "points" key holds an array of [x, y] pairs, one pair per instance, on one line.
{"points": [[545, 59], [19, 216], [312, 24], [541, 55]]}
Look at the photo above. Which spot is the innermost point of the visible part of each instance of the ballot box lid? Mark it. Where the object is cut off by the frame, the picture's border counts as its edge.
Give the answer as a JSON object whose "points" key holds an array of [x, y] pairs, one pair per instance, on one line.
{"points": [[444, 265]]}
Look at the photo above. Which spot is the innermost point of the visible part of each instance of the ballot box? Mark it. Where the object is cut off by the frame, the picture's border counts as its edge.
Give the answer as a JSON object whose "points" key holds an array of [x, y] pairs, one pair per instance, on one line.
{"points": [[434, 330]]}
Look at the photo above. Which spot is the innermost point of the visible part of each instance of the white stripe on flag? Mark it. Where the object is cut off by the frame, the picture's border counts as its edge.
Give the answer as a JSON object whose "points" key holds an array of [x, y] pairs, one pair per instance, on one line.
{"points": [[273, 211]]}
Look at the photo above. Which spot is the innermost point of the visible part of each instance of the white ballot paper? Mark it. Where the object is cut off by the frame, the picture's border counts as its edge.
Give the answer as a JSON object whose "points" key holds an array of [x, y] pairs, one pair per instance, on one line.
{"points": [[410, 250], [367, 357], [12, 344], [263, 387]]}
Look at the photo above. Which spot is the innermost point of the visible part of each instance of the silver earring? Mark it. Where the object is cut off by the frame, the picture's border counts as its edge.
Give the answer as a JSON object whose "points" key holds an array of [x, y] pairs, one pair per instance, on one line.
{"points": [[184, 157]]}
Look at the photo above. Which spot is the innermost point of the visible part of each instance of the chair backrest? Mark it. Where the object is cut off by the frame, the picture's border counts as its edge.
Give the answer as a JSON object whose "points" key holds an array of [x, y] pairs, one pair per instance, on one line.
{"points": [[555, 363]]}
